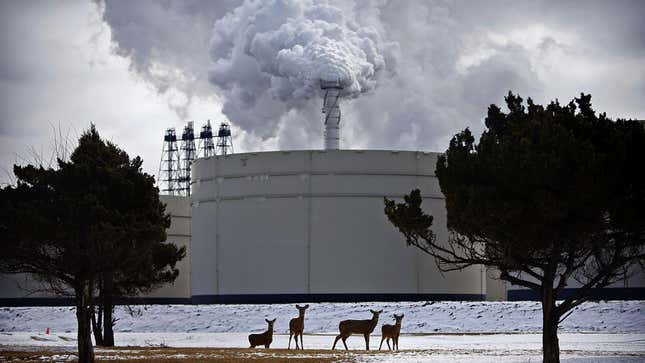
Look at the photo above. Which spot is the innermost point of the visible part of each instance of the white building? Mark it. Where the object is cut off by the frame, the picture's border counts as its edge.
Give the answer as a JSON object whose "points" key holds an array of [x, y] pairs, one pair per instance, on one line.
{"points": [[291, 226], [310, 226]]}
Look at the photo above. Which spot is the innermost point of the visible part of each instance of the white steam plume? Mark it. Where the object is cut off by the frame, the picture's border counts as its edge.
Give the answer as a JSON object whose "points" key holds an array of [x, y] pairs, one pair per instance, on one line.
{"points": [[444, 62], [269, 58], [166, 43]]}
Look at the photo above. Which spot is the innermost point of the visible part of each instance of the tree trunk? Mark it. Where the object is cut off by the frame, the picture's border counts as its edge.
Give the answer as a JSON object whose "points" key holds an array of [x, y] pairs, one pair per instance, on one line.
{"points": [[550, 319], [83, 318], [97, 323], [108, 309]]}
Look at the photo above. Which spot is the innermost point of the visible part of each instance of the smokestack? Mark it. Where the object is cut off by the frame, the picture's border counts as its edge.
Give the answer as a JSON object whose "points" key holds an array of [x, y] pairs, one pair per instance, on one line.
{"points": [[331, 113]]}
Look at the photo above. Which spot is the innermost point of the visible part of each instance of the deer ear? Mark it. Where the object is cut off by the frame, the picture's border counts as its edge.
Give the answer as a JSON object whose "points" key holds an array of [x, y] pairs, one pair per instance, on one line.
{"points": [[267, 320], [402, 315], [273, 321], [372, 311], [307, 306], [297, 306], [380, 311]]}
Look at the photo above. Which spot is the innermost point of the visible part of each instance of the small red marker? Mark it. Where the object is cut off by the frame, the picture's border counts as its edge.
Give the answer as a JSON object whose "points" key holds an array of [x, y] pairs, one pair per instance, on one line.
{"points": [[47, 331]]}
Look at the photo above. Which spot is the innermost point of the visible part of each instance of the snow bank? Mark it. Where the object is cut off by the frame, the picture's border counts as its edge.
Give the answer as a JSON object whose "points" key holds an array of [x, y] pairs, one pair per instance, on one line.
{"points": [[420, 317]]}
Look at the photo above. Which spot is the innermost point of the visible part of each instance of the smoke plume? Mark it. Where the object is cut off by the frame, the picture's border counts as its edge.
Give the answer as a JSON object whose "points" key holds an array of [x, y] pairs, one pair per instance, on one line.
{"points": [[270, 56], [423, 69], [167, 42]]}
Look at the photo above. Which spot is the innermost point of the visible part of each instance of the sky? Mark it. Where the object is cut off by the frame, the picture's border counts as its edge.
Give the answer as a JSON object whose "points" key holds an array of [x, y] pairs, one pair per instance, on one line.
{"points": [[415, 72]]}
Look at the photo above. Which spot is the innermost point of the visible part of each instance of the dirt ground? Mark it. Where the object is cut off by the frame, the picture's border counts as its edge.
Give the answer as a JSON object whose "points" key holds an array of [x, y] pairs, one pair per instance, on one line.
{"points": [[184, 355]]}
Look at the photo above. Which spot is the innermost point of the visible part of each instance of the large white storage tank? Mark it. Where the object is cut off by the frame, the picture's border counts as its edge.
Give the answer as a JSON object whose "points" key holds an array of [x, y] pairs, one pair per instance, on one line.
{"points": [[309, 226]]}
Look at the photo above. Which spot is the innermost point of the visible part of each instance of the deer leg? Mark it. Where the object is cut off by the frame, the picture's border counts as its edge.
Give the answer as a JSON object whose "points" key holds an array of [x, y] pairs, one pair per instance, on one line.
{"points": [[345, 344], [335, 341], [396, 340], [380, 345], [388, 343], [302, 345], [290, 335], [367, 341], [296, 339]]}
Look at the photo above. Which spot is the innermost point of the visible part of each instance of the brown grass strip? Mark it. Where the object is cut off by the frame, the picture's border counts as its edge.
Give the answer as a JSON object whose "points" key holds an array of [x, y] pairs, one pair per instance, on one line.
{"points": [[185, 355]]}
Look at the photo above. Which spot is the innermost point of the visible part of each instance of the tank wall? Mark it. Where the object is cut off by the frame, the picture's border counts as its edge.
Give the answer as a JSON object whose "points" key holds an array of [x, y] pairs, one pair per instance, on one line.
{"points": [[355, 250], [262, 246], [312, 223], [19, 286], [179, 233], [23, 289], [632, 288]]}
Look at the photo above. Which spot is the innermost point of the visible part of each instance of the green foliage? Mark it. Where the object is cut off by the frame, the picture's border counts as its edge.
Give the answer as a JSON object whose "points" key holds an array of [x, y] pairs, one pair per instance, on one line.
{"points": [[555, 185], [96, 215], [409, 218], [549, 194], [96, 212]]}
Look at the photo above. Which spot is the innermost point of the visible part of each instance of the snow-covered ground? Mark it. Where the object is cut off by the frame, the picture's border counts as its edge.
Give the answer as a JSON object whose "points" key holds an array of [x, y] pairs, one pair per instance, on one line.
{"points": [[573, 342], [496, 332], [420, 317], [488, 348]]}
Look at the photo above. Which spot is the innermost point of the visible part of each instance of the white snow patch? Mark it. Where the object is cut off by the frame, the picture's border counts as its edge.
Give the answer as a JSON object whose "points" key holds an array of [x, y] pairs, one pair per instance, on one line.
{"points": [[420, 317], [488, 332]]}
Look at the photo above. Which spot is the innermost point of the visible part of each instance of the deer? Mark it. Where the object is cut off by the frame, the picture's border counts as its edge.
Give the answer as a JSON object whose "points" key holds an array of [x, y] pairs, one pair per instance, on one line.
{"points": [[391, 332], [365, 327], [264, 338], [297, 326]]}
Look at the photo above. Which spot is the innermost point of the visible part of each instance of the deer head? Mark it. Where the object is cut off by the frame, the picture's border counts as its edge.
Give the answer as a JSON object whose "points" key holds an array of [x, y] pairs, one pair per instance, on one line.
{"points": [[301, 309], [270, 322]]}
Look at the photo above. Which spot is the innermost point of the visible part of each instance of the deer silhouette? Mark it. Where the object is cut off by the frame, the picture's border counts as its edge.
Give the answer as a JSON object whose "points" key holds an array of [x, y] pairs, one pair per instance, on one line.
{"points": [[297, 326], [365, 327], [264, 338], [391, 332]]}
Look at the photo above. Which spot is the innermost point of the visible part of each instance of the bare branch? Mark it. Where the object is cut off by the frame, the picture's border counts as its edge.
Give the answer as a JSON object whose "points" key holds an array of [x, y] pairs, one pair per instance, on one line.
{"points": [[504, 275]]}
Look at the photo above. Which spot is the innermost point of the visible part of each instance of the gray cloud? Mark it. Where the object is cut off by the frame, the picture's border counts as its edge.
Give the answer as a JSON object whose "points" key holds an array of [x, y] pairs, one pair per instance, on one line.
{"points": [[448, 61], [268, 59], [167, 43], [58, 74], [443, 63]]}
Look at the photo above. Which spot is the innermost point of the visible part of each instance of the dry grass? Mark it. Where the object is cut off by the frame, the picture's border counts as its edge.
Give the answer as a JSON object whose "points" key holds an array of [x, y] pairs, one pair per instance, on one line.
{"points": [[185, 355], [35, 356]]}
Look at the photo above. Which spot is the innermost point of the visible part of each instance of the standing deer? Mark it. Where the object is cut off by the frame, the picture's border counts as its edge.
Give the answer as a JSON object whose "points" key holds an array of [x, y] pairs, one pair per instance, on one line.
{"points": [[297, 326], [264, 338], [365, 327], [391, 332]]}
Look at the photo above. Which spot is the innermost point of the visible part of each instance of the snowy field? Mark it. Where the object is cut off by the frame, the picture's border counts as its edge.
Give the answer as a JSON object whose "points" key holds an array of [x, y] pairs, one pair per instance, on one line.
{"points": [[432, 332]]}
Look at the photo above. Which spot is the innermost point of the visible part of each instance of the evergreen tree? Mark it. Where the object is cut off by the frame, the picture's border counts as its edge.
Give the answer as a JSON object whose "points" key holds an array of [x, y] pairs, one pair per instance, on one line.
{"points": [[549, 195], [71, 226], [134, 259]]}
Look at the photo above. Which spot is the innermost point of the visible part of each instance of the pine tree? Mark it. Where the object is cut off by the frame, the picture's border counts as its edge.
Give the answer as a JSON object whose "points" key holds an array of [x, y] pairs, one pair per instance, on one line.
{"points": [[92, 216], [548, 195]]}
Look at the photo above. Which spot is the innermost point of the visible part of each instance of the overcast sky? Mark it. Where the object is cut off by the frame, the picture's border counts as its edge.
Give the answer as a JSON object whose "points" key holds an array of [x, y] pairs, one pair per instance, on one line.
{"points": [[417, 72]]}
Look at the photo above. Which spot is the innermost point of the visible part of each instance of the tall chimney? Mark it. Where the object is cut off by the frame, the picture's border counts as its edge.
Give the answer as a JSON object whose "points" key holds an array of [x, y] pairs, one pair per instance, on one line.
{"points": [[331, 113]]}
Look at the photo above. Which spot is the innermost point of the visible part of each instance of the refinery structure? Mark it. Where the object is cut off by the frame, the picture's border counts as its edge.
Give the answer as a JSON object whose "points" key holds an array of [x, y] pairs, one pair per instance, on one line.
{"points": [[177, 156], [308, 225], [301, 225]]}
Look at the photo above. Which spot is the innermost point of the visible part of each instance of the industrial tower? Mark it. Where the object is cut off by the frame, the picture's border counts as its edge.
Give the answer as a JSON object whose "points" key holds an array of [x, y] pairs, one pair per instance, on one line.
{"points": [[175, 166], [206, 145], [332, 113], [188, 156], [169, 164], [224, 140]]}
